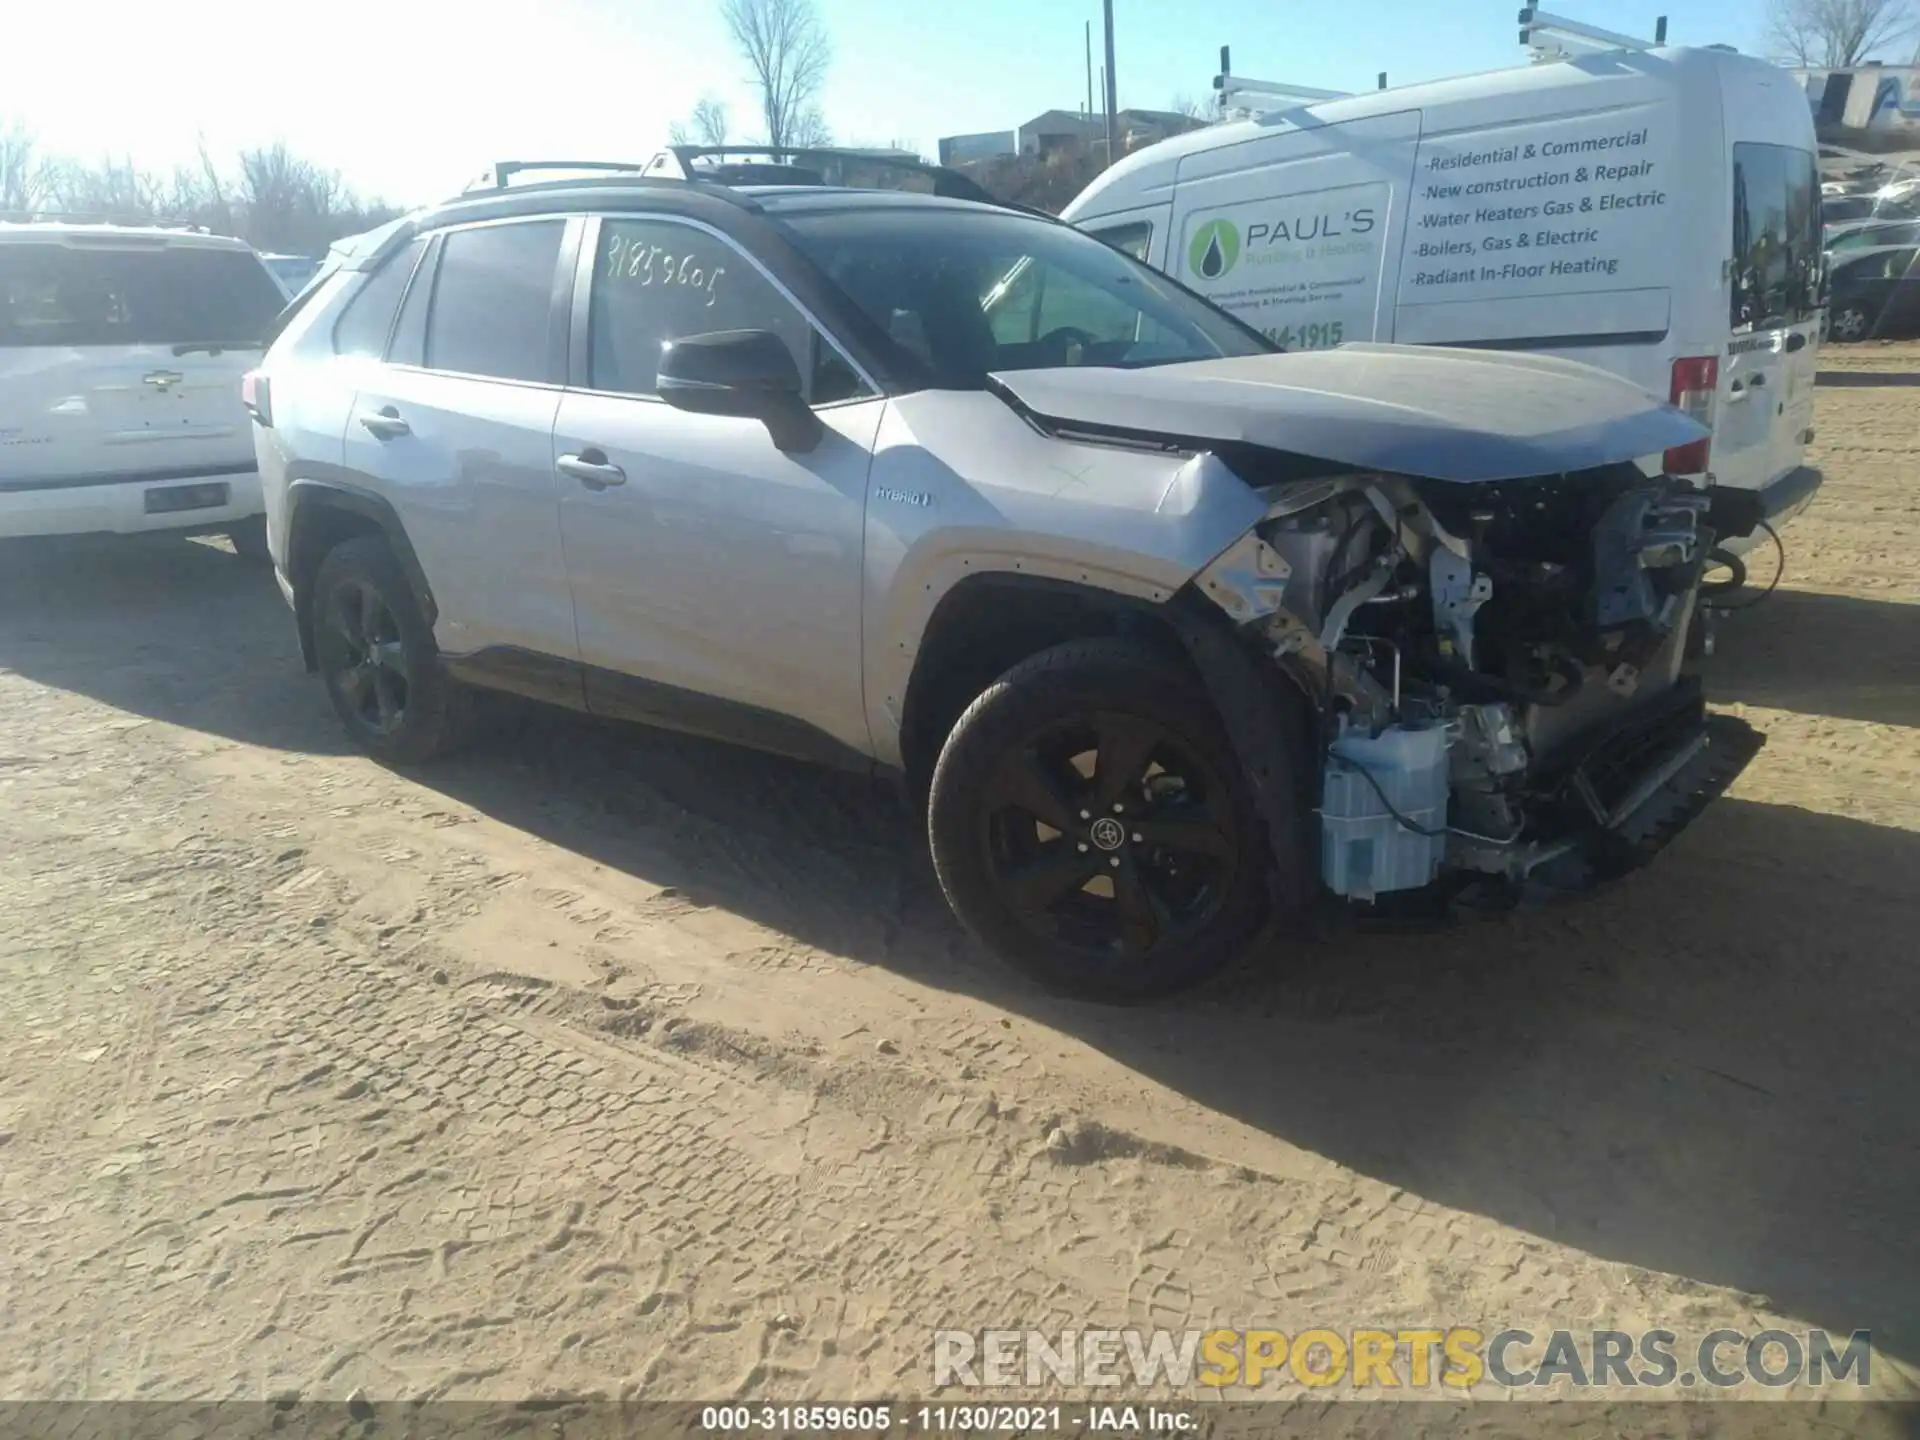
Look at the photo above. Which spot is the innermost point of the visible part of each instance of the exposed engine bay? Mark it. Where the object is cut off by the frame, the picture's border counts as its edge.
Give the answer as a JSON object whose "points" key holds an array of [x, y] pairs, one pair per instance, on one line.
{"points": [[1497, 668]]}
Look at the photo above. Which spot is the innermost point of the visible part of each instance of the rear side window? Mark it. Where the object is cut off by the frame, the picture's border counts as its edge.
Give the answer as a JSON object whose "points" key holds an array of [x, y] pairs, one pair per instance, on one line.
{"points": [[492, 300], [1776, 236], [364, 325], [57, 293]]}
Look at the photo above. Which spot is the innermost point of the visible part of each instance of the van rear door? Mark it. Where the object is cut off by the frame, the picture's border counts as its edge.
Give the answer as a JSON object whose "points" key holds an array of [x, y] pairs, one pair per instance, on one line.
{"points": [[1764, 407]]}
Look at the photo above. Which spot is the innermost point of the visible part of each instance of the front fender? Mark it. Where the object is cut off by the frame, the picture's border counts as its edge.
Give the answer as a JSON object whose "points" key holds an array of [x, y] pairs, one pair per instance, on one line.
{"points": [[962, 487]]}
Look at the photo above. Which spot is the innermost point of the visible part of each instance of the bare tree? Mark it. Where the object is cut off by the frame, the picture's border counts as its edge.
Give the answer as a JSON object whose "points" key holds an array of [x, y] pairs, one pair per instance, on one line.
{"points": [[113, 188], [810, 129], [1183, 104], [708, 125], [786, 47], [278, 201], [287, 199], [1836, 34], [23, 172], [213, 196]]}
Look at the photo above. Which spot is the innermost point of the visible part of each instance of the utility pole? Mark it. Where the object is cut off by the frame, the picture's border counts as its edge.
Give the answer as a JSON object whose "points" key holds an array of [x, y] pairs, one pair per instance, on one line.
{"points": [[1089, 72], [1113, 107]]}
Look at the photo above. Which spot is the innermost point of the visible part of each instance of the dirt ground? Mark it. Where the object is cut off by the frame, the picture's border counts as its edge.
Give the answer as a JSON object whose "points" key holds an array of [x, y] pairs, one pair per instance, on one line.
{"points": [[606, 1061]]}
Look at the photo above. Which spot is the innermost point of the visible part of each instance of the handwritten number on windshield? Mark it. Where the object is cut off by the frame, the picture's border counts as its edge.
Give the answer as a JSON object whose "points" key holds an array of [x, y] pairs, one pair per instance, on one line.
{"points": [[646, 264]]}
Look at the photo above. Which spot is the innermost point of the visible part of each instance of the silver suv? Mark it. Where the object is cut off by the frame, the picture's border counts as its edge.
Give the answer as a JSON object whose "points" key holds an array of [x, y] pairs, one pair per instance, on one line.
{"points": [[1169, 632]]}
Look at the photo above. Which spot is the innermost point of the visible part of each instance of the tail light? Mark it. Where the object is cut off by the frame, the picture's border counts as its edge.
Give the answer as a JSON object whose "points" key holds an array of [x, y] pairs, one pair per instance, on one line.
{"points": [[1696, 388], [257, 396]]}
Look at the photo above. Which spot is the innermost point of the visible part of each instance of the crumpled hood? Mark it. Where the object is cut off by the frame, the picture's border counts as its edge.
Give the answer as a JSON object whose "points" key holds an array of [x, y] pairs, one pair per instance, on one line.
{"points": [[1425, 411]]}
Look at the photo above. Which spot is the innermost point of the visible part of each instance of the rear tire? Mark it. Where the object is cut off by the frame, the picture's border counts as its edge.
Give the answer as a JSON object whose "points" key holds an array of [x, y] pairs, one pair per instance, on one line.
{"points": [[378, 660], [1089, 821], [249, 540]]}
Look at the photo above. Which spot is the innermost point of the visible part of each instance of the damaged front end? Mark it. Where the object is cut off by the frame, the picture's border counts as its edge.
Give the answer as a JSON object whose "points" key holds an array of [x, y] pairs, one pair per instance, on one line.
{"points": [[1495, 670]]}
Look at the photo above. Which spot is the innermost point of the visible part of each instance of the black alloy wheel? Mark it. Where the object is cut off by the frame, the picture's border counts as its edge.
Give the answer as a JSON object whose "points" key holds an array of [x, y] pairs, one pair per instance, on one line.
{"points": [[1110, 833], [1089, 820], [375, 679], [377, 656]]}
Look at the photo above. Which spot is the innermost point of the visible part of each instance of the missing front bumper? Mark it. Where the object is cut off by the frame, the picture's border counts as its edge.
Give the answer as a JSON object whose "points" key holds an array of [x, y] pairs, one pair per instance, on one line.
{"points": [[1628, 814], [1607, 812]]}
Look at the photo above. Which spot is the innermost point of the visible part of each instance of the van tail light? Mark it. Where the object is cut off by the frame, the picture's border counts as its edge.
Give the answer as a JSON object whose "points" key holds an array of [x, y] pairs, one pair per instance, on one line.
{"points": [[1696, 389], [257, 396]]}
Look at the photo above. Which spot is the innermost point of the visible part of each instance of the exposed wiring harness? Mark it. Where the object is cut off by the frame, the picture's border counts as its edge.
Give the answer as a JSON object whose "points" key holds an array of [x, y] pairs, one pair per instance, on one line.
{"points": [[1733, 563], [1720, 558], [1736, 569]]}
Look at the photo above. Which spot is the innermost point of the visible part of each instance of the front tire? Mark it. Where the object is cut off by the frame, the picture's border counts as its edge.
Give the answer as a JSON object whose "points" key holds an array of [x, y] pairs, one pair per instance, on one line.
{"points": [[377, 657], [1089, 822]]}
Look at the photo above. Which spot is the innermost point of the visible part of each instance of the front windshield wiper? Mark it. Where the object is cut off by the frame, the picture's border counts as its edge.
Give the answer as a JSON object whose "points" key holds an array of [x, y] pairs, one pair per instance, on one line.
{"points": [[214, 347]]}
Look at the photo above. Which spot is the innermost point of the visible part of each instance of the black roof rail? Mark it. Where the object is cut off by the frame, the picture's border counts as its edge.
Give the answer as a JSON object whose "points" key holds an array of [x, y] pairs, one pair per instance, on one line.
{"points": [[505, 170], [730, 166], [813, 165]]}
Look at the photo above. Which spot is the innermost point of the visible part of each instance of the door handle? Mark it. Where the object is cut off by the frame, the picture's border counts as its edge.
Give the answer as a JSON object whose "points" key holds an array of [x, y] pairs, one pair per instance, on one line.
{"points": [[385, 423], [591, 468]]}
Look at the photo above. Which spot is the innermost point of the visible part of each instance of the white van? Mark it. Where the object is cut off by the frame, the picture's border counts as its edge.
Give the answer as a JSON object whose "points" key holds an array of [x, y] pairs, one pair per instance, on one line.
{"points": [[121, 353], [1654, 212]]}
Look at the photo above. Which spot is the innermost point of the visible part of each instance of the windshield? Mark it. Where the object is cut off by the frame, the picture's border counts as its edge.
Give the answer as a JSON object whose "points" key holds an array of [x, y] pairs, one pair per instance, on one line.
{"points": [[968, 293], [54, 293]]}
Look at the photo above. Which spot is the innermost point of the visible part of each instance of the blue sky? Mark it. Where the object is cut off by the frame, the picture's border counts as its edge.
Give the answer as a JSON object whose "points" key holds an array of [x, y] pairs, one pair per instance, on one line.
{"points": [[409, 98]]}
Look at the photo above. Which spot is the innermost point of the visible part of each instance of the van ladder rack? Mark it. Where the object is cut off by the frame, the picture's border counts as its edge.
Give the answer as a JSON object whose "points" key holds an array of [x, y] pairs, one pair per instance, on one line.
{"points": [[1554, 37], [1237, 90], [1550, 37]]}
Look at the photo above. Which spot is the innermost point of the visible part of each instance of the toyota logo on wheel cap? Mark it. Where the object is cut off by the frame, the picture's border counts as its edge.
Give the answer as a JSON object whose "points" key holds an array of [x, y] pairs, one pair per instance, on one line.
{"points": [[1108, 833]]}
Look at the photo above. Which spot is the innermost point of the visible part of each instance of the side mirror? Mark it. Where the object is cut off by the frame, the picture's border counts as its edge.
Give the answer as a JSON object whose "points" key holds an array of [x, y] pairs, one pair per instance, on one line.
{"points": [[740, 372]]}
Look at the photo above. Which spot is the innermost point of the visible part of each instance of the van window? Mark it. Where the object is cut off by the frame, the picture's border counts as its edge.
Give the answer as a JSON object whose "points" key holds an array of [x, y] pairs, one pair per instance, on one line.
{"points": [[59, 294], [1776, 236], [1133, 238], [492, 299]]}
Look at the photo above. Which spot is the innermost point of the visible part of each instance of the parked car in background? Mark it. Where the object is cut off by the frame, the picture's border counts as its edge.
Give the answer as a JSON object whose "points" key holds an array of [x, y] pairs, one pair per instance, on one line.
{"points": [[1867, 234], [121, 354], [291, 271], [1163, 625], [1899, 201], [1845, 209], [1875, 294]]}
